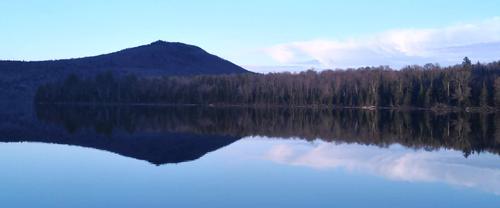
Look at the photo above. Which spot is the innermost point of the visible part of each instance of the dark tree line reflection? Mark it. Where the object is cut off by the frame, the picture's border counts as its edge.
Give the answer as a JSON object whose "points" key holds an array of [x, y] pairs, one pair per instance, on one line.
{"points": [[467, 132]]}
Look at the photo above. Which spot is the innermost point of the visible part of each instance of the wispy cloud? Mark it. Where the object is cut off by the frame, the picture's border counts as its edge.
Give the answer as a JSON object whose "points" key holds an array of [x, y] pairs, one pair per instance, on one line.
{"points": [[395, 163], [399, 47]]}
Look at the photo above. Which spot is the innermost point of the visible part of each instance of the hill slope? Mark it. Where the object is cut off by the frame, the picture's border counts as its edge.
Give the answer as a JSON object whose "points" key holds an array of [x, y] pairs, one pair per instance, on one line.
{"points": [[18, 79]]}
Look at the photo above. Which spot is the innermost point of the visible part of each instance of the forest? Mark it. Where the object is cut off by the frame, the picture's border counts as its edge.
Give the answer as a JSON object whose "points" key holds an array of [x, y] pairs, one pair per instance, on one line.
{"points": [[462, 86]]}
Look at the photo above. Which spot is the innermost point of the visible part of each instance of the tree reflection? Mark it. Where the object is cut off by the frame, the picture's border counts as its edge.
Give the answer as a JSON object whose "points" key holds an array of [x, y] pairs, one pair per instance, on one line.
{"points": [[467, 132]]}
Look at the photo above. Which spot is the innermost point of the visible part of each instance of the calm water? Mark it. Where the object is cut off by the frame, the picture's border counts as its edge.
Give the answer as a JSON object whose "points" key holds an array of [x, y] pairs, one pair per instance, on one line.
{"points": [[77, 156]]}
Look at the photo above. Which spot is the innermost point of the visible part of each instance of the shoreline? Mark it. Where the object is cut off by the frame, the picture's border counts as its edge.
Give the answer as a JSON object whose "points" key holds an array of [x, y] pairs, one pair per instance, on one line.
{"points": [[447, 109]]}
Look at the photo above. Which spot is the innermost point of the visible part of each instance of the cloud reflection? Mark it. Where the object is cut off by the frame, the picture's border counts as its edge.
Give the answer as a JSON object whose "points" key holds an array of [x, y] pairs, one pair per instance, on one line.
{"points": [[395, 162]]}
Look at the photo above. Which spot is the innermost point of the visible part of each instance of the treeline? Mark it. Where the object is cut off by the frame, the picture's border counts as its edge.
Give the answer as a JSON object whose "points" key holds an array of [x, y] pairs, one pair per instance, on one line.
{"points": [[428, 86]]}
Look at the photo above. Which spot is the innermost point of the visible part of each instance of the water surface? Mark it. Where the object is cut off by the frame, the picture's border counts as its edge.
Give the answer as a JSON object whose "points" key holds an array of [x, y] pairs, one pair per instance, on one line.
{"points": [[83, 156]]}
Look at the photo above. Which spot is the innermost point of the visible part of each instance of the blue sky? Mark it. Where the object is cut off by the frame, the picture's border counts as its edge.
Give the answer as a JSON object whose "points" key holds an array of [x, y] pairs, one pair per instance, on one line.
{"points": [[258, 33]]}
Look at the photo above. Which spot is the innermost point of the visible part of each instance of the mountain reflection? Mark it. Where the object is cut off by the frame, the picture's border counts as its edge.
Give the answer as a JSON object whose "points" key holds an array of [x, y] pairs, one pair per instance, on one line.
{"points": [[466, 132], [161, 135]]}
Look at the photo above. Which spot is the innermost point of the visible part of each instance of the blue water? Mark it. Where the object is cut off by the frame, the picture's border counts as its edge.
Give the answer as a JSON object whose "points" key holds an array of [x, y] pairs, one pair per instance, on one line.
{"points": [[251, 172]]}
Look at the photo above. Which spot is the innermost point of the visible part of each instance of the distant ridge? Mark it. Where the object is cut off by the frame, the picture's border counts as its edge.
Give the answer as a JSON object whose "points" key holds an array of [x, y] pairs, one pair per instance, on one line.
{"points": [[20, 78]]}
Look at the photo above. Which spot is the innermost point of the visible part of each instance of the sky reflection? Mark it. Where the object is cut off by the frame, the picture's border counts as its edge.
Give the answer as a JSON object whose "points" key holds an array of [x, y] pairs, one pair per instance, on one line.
{"points": [[481, 172], [277, 172]]}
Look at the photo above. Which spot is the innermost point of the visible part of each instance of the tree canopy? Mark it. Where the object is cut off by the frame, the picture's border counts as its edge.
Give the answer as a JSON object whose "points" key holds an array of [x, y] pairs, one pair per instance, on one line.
{"points": [[428, 86]]}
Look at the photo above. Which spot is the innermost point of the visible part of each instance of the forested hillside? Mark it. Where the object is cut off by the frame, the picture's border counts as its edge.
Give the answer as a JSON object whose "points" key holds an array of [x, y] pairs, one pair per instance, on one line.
{"points": [[19, 79], [430, 86]]}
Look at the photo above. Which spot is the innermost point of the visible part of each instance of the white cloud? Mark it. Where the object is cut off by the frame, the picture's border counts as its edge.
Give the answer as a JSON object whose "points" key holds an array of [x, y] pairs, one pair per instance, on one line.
{"points": [[395, 163], [400, 47]]}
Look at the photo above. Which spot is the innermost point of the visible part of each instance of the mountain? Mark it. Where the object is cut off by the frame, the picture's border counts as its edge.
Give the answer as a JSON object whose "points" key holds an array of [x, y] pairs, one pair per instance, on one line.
{"points": [[151, 134], [19, 79], [157, 149]]}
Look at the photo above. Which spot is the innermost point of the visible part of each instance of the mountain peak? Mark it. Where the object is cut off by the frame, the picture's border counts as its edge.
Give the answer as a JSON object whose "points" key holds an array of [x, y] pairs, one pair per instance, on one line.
{"points": [[159, 42], [166, 43], [162, 45]]}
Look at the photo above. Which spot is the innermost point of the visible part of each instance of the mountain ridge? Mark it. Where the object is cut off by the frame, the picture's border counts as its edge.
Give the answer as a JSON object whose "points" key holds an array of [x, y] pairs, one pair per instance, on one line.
{"points": [[159, 58]]}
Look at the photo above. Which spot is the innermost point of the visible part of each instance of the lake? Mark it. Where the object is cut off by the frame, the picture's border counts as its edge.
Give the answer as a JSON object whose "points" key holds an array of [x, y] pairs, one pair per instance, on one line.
{"points": [[160, 156]]}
